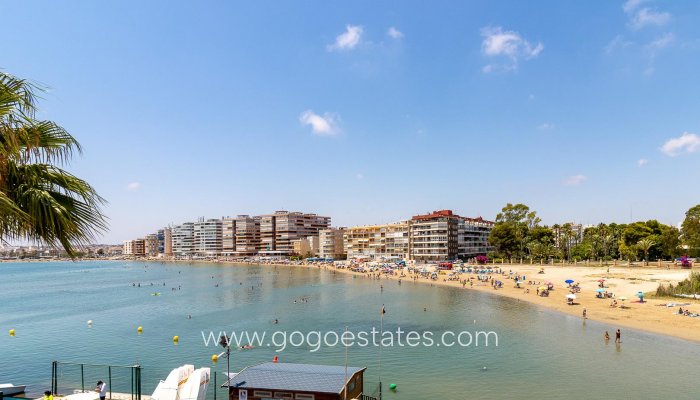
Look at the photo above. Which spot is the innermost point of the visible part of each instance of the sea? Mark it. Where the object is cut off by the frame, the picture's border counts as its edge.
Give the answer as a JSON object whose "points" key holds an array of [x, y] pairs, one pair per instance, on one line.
{"points": [[85, 317]]}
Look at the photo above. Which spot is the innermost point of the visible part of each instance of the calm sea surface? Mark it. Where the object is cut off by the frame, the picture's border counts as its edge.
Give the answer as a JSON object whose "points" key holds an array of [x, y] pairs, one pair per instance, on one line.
{"points": [[541, 354]]}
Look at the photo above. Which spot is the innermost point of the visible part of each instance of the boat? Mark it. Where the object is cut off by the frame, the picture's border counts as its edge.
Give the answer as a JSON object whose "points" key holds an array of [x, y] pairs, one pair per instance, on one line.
{"points": [[196, 386], [9, 389], [169, 389]]}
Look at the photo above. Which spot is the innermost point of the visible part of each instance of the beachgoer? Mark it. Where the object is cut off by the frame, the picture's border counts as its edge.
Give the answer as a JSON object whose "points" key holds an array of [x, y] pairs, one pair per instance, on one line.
{"points": [[48, 395], [606, 336], [584, 313], [618, 336], [101, 388]]}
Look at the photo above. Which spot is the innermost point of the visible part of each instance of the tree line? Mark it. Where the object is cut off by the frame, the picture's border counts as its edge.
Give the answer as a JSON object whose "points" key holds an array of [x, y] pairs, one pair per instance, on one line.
{"points": [[518, 233]]}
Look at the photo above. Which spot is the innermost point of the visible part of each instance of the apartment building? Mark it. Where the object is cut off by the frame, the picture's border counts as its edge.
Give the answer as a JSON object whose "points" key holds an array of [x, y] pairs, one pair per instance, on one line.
{"points": [[247, 234], [331, 243], [168, 242], [183, 239], [279, 230], [228, 236], [151, 245], [444, 236], [306, 247], [434, 236], [473, 237], [207, 237], [377, 241], [136, 247]]}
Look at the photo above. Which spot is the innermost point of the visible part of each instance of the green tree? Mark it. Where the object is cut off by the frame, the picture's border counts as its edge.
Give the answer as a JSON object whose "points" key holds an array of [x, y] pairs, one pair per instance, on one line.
{"points": [[40, 201], [503, 238], [645, 245], [519, 220], [690, 230]]}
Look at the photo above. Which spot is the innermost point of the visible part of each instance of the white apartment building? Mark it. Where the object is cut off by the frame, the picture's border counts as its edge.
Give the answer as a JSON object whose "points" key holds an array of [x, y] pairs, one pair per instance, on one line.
{"points": [[207, 237], [183, 240]]}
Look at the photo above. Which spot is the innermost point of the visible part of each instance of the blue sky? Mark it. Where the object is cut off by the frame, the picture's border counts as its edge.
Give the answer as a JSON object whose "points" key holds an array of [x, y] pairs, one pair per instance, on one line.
{"points": [[370, 111]]}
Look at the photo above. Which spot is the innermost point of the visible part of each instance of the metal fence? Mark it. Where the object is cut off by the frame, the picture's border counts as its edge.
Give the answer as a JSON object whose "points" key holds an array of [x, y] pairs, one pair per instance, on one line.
{"points": [[123, 381]]}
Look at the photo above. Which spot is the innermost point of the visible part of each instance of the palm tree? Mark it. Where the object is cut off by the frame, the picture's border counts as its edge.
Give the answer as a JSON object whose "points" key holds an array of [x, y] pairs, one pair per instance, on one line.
{"points": [[645, 245], [39, 201]]}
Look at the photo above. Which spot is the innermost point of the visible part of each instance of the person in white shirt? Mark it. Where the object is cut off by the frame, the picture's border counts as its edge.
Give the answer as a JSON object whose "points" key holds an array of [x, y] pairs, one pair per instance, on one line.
{"points": [[102, 389]]}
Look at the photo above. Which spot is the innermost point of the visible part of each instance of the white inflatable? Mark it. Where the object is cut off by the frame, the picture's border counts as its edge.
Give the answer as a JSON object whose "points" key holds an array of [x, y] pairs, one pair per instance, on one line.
{"points": [[169, 389], [196, 386]]}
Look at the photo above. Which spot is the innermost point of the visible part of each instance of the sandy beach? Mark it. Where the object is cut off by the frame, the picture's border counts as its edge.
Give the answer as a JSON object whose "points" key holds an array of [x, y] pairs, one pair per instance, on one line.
{"points": [[652, 316]]}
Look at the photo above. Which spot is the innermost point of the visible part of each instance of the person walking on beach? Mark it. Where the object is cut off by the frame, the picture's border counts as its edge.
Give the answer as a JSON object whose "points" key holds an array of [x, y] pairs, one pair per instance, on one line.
{"points": [[618, 336], [584, 313], [101, 387]]}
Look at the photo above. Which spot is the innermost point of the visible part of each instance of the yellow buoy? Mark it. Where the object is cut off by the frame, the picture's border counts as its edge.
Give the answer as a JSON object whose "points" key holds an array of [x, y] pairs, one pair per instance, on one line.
{"points": [[139, 330], [214, 358], [176, 339], [12, 332]]}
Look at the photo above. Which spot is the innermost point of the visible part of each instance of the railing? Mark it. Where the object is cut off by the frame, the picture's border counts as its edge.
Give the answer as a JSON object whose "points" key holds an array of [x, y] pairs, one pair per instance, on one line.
{"points": [[67, 377]]}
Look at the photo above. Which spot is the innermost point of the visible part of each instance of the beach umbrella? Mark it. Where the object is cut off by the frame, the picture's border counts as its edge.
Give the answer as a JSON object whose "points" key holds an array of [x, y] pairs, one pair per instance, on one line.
{"points": [[571, 296], [601, 280], [600, 290], [542, 288], [569, 281]]}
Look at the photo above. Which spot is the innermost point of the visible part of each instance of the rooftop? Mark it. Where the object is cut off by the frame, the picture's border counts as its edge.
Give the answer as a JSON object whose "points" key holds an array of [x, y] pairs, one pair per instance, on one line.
{"points": [[294, 377]]}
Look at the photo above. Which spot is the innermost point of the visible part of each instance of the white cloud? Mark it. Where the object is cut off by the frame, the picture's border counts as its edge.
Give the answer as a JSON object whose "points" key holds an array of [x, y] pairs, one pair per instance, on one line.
{"points": [[133, 186], [646, 16], [545, 126], [686, 143], [642, 162], [574, 180], [660, 43], [631, 5], [499, 43], [618, 42], [347, 40], [394, 33], [326, 125]]}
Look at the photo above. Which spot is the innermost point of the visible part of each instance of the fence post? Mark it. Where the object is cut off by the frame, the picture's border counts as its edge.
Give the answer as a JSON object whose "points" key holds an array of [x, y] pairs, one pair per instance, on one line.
{"points": [[109, 373], [215, 386], [138, 382], [82, 377], [54, 377]]}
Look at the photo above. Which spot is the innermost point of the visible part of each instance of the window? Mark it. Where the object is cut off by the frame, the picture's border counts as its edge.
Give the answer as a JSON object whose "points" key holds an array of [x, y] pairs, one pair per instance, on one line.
{"points": [[304, 396], [260, 393], [279, 395]]}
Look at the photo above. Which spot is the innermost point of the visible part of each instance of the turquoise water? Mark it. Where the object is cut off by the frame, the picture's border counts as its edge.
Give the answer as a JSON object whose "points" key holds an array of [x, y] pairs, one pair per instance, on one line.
{"points": [[541, 354]]}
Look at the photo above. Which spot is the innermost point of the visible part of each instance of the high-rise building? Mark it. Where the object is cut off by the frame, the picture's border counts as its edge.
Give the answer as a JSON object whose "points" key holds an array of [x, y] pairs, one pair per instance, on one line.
{"points": [[389, 241], [331, 243], [444, 236], [207, 237], [247, 235], [161, 241], [183, 240], [168, 242], [228, 236], [151, 245], [278, 230]]}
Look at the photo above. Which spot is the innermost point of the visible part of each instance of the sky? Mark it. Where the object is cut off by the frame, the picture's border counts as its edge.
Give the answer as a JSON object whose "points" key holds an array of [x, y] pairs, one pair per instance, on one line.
{"points": [[370, 112]]}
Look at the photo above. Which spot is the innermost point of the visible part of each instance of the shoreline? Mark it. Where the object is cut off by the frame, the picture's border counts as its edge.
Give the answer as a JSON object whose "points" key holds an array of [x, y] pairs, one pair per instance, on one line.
{"points": [[650, 316]]}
